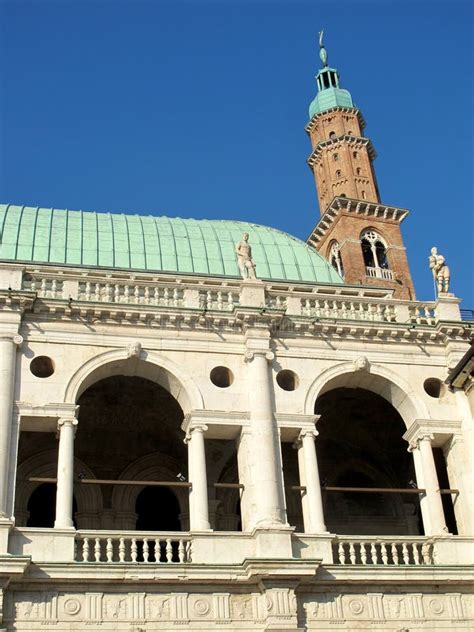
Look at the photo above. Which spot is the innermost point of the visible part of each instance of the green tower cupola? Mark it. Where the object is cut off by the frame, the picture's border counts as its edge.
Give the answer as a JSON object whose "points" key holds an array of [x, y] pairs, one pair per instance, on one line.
{"points": [[329, 95]]}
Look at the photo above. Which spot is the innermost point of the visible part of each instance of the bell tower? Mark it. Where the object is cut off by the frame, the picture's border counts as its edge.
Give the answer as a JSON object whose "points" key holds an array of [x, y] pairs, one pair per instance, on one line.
{"points": [[357, 233]]}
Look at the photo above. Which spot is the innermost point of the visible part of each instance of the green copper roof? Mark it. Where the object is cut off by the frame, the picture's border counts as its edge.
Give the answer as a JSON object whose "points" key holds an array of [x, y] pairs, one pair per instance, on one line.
{"points": [[157, 244], [330, 98]]}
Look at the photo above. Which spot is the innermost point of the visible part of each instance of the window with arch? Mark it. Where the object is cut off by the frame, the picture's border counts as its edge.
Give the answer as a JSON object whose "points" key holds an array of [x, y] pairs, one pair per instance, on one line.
{"points": [[355, 154], [374, 250], [358, 171], [350, 133], [335, 157], [335, 258], [338, 173], [364, 195], [332, 134]]}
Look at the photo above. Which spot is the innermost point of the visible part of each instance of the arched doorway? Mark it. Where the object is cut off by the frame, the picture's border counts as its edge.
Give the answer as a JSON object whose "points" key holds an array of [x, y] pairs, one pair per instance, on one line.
{"points": [[41, 506], [124, 420], [157, 509], [360, 445]]}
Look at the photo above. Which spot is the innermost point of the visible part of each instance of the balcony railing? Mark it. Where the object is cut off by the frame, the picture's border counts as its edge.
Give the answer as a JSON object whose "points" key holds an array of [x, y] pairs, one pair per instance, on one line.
{"points": [[133, 547], [394, 551], [380, 273]]}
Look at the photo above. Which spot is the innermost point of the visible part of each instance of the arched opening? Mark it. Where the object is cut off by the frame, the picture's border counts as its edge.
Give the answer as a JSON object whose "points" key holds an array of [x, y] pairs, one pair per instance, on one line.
{"points": [[374, 250], [360, 446], [157, 509], [335, 258], [41, 506], [122, 421]]}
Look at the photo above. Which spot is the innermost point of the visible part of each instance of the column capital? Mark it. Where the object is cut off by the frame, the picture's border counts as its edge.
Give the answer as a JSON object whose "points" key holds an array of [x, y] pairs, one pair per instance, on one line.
{"points": [[308, 432], [67, 421], [414, 444], [195, 427], [250, 354], [15, 338]]}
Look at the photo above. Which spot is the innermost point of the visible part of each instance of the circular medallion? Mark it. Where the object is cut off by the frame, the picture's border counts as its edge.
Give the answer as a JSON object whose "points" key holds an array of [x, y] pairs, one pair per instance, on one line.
{"points": [[356, 606], [201, 607], [436, 606], [72, 606]]}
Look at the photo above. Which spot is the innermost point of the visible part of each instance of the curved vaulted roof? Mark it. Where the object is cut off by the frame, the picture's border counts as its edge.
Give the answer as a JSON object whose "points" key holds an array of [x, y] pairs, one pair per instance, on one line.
{"points": [[154, 244]]}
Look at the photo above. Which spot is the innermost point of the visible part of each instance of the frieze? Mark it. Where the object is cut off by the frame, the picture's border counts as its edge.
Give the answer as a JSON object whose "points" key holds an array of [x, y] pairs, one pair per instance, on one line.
{"points": [[147, 611]]}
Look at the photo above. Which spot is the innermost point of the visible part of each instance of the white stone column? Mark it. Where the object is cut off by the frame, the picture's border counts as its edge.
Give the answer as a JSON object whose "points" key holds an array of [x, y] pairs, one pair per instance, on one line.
{"points": [[198, 498], [8, 348], [427, 478], [314, 520], [266, 460], [65, 481]]}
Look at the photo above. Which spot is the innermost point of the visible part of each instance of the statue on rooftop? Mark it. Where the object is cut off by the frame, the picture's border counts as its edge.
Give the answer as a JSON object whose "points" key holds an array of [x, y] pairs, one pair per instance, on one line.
{"points": [[440, 270], [244, 258]]}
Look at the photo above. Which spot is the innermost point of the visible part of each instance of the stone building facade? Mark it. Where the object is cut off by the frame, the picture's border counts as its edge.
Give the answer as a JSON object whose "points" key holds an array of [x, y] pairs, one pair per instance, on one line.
{"points": [[183, 449]]}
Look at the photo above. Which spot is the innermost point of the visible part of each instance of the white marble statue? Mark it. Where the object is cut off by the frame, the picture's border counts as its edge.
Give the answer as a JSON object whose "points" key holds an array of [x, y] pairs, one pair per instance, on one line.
{"points": [[244, 258], [440, 270]]}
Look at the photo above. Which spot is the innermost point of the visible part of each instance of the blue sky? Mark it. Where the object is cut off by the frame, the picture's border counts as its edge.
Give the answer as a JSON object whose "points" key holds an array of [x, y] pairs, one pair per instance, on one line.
{"points": [[197, 109]]}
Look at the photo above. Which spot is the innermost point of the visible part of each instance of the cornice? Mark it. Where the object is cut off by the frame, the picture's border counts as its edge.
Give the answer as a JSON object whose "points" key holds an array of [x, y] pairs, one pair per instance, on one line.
{"points": [[439, 431], [340, 205], [327, 113], [336, 142]]}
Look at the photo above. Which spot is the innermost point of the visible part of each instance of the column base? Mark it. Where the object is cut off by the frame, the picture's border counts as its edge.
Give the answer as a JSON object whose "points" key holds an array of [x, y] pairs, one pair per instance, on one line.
{"points": [[273, 542]]}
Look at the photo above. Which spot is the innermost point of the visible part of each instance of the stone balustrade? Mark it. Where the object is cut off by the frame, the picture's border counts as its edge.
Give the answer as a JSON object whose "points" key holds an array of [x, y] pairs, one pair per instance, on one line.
{"points": [[314, 302], [224, 300], [348, 309], [393, 551], [380, 273], [132, 547]]}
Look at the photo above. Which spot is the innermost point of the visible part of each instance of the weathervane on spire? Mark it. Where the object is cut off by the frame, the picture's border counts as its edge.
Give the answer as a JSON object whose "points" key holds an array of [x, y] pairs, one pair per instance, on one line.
{"points": [[322, 51]]}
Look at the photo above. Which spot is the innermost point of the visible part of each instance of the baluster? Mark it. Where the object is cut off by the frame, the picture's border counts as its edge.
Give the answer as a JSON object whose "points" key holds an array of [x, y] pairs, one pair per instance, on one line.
{"points": [[380, 312], [317, 308], [363, 553], [122, 550], [146, 552], [134, 549], [361, 311], [373, 553], [116, 293], [230, 302], [418, 315], [97, 550], [147, 295], [383, 550], [85, 550], [126, 294], [181, 551], [219, 300], [96, 292], [394, 553], [54, 288], [278, 302], [189, 551], [352, 310], [307, 307], [108, 293], [327, 309], [136, 294], [405, 554], [157, 551], [209, 300], [341, 553], [352, 553], [169, 550], [44, 288], [427, 553], [166, 297], [156, 296], [416, 553], [109, 550], [33, 285], [88, 291], [344, 309], [176, 297]]}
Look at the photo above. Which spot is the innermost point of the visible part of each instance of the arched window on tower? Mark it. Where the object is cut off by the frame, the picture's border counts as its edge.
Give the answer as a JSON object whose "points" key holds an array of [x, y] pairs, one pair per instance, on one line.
{"points": [[338, 173], [332, 134], [358, 171], [335, 258], [355, 154], [374, 250], [335, 157], [364, 195]]}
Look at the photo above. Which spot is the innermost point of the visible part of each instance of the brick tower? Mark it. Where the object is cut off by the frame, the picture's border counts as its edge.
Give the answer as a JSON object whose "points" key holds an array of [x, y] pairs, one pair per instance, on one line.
{"points": [[358, 234]]}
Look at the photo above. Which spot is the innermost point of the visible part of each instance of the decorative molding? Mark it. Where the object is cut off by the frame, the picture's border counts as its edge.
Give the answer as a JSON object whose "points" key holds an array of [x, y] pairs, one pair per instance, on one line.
{"points": [[439, 431]]}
